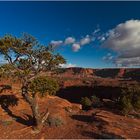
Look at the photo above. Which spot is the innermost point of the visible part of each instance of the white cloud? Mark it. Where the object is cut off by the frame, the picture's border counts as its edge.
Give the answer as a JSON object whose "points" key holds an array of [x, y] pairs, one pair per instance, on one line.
{"points": [[109, 57], [76, 47], [96, 31], [67, 65], [101, 38], [56, 43], [69, 40], [124, 39], [77, 44], [86, 40]]}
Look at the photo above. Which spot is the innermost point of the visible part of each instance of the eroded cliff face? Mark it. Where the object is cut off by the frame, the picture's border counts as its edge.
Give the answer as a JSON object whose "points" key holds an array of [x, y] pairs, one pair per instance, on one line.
{"points": [[133, 73], [78, 72], [121, 72]]}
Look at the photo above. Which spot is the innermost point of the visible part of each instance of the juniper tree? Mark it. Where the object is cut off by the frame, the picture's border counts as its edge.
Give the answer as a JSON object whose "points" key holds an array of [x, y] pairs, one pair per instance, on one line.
{"points": [[26, 58]]}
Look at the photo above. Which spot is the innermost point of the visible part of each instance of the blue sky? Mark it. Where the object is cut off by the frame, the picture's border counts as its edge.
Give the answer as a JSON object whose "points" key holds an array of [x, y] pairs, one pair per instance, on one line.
{"points": [[56, 21]]}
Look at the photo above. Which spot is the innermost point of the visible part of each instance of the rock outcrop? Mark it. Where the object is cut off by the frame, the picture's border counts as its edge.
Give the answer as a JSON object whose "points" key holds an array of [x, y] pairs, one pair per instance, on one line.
{"points": [[132, 73]]}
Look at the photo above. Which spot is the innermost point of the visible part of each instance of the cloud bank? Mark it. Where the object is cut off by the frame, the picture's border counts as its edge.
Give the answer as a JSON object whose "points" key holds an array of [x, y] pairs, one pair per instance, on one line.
{"points": [[124, 39]]}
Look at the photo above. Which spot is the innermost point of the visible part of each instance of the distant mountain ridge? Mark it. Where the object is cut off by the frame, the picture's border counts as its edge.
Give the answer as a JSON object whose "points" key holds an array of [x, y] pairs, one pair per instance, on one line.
{"points": [[133, 73]]}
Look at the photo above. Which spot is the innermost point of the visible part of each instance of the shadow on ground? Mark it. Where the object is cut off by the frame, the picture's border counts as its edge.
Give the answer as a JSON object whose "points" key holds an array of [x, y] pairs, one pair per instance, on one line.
{"points": [[92, 119], [11, 100], [75, 93], [99, 123], [101, 135], [82, 118]]}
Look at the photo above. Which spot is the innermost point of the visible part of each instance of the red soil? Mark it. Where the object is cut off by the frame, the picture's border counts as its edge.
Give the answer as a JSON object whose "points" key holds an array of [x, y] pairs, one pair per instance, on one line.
{"points": [[78, 124]]}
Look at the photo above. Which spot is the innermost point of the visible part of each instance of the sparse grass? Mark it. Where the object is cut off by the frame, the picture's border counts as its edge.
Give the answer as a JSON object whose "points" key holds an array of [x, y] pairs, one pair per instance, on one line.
{"points": [[55, 121], [6, 122]]}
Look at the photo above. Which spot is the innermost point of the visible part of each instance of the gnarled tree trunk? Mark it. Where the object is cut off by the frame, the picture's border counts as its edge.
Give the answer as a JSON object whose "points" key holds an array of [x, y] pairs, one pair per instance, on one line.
{"points": [[33, 102]]}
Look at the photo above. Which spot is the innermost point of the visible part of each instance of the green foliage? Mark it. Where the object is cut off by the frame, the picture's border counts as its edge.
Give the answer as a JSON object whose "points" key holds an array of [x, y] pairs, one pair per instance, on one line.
{"points": [[5, 71], [137, 104], [26, 57], [136, 98], [44, 85], [129, 99], [125, 105], [96, 101], [86, 103]]}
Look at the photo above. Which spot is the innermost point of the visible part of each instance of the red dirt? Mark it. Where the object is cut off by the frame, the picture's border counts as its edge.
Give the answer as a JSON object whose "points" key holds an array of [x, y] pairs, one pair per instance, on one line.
{"points": [[78, 124]]}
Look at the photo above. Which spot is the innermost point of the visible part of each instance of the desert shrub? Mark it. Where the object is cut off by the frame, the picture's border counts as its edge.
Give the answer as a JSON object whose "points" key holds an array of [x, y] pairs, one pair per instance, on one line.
{"points": [[125, 105], [86, 103], [96, 101], [129, 99], [6, 122], [44, 85], [136, 98], [55, 121], [137, 104]]}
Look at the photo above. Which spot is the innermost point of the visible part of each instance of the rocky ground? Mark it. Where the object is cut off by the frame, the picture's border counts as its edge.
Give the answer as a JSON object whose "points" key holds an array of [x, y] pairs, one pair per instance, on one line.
{"points": [[66, 120]]}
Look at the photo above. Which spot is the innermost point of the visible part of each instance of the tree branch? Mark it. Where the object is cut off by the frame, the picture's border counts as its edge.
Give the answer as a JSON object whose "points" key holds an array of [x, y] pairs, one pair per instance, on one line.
{"points": [[45, 116]]}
